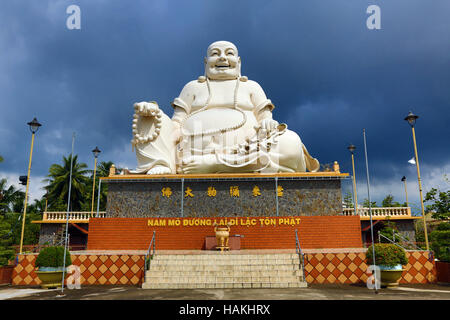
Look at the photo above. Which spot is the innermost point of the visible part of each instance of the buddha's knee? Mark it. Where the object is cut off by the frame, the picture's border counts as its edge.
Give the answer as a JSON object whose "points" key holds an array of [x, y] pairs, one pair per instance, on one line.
{"points": [[290, 145], [291, 152]]}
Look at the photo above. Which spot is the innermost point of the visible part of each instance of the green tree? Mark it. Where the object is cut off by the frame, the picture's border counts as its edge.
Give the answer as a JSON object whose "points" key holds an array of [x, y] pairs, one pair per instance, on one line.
{"points": [[373, 204], [440, 207], [348, 200], [420, 234], [103, 171], [11, 199], [440, 241], [1, 159], [388, 231], [6, 252], [38, 206], [389, 228], [31, 232], [58, 183], [103, 168], [18, 203], [388, 201]]}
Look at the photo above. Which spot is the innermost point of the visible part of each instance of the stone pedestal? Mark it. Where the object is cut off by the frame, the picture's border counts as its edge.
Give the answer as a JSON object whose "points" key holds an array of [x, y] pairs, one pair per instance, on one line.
{"points": [[225, 195]]}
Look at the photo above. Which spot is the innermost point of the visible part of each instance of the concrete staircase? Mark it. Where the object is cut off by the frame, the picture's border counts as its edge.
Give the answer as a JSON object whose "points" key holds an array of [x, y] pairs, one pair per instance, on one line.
{"points": [[224, 270]]}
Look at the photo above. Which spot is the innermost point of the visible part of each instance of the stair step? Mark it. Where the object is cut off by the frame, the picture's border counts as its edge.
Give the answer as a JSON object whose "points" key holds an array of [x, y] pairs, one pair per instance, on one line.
{"points": [[223, 280], [223, 285], [224, 256], [227, 273], [222, 268], [224, 262]]}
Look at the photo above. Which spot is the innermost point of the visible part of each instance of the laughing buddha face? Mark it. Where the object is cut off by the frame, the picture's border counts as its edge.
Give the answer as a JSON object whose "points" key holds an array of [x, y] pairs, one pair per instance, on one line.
{"points": [[222, 61]]}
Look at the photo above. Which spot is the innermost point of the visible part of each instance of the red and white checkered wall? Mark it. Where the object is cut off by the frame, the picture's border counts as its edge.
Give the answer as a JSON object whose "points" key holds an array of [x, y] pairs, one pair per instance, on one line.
{"points": [[127, 269]]}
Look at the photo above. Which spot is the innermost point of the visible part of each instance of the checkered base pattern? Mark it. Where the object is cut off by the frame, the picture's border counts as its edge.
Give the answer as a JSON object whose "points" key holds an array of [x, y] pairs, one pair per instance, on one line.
{"points": [[352, 268], [107, 269], [123, 269]]}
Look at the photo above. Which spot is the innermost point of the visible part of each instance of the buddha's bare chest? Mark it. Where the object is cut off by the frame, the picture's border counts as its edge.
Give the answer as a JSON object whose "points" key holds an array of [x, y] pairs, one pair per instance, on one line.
{"points": [[222, 95]]}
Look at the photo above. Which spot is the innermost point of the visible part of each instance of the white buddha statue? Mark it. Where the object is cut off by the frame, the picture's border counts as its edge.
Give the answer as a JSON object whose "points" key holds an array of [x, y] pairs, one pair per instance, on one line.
{"points": [[222, 123]]}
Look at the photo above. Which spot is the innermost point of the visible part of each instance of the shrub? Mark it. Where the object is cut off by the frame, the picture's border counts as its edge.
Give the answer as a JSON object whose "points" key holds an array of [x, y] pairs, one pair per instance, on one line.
{"points": [[441, 241], [52, 257], [387, 254]]}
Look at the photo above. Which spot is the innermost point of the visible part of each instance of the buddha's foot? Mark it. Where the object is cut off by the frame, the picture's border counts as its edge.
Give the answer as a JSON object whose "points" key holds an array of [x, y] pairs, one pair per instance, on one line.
{"points": [[159, 170], [200, 164]]}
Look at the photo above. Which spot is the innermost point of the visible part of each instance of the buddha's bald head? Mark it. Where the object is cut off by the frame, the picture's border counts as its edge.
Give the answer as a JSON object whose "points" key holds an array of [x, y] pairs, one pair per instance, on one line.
{"points": [[222, 61]]}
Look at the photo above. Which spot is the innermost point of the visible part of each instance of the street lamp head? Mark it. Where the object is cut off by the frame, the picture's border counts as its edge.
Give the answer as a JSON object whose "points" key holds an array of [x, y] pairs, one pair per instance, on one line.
{"points": [[403, 178], [411, 118], [34, 125], [96, 152], [351, 148], [23, 180]]}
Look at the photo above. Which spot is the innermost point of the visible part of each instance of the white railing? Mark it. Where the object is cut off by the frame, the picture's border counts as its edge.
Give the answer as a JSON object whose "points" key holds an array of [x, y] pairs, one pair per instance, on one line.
{"points": [[392, 212], [73, 216]]}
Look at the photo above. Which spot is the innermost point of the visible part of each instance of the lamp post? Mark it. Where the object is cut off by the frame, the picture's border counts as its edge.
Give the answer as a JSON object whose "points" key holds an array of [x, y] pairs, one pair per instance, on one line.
{"points": [[406, 190], [96, 152], [411, 118], [352, 149], [34, 127]]}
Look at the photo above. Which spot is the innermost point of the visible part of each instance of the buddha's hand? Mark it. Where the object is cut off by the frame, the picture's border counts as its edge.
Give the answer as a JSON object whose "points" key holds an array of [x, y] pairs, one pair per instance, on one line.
{"points": [[269, 124], [147, 109], [176, 135]]}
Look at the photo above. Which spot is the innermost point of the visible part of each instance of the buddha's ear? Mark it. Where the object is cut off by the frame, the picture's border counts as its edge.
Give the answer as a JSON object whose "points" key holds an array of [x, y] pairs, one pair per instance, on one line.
{"points": [[204, 60], [239, 66]]}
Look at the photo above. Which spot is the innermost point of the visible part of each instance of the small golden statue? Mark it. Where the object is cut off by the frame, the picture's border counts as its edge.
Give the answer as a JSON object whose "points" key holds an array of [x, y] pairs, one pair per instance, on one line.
{"points": [[112, 170], [222, 236], [336, 167]]}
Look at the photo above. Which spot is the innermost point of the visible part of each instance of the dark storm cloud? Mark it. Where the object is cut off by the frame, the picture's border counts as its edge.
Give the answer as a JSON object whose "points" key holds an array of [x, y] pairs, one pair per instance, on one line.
{"points": [[328, 75]]}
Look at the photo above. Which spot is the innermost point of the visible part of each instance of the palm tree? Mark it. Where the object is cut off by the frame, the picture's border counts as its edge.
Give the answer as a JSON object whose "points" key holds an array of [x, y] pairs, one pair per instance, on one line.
{"points": [[58, 183], [104, 172], [38, 206], [103, 168], [11, 199]]}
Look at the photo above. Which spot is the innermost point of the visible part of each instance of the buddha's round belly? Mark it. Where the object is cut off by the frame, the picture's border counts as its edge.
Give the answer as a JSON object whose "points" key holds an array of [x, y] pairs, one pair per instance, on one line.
{"points": [[215, 121]]}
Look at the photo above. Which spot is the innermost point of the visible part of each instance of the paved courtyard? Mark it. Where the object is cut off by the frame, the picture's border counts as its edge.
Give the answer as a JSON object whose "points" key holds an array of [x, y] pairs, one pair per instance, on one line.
{"points": [[313, 292]]}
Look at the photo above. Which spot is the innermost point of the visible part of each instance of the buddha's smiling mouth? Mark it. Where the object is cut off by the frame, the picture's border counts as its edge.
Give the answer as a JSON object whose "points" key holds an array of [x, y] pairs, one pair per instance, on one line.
{"points": [[223, 67]]}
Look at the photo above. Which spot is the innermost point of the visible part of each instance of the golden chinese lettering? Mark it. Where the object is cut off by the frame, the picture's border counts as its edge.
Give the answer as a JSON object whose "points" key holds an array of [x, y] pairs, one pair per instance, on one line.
{"points": [[256, 191], [166, 192], [234, 191], [188, 193], [280, 191], [212, 192]]}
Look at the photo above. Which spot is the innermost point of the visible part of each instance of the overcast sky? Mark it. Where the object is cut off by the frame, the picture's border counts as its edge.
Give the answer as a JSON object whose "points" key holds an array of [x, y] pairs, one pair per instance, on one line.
{"points": [[328, 75]]}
